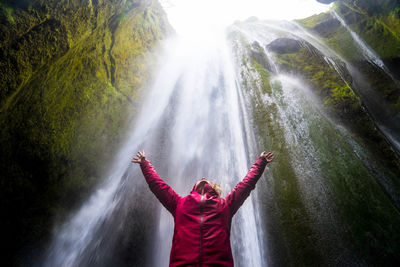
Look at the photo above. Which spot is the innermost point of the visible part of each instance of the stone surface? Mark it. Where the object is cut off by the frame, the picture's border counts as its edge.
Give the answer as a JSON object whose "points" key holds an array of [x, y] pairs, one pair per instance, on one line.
{"points": [[71, 73], [284, 45]]}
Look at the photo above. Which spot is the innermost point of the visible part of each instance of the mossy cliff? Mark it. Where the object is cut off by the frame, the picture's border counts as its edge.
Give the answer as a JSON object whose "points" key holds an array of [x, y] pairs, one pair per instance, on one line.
{"points": [[70, 73], [336, 95], [331, 197], [378, 25], [377, 22]]}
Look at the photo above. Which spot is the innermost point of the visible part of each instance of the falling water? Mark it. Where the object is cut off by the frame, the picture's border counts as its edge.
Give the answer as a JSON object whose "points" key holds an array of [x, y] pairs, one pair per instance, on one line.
{"points": [[207, 136], [301, 117], [192, 126], [367, 51], [387, 122], [196, 122]]}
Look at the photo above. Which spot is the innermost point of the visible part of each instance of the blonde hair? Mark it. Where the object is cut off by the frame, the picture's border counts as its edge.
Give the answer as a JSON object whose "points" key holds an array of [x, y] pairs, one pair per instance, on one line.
{"points": [[217, 188]]}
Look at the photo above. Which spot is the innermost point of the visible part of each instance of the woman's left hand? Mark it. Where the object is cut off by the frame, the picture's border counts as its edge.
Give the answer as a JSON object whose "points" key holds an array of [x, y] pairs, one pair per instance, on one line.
{"points": [[268, 156]]}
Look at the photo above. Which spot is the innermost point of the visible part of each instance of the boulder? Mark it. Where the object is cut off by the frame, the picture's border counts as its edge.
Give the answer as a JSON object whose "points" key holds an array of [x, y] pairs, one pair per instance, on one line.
{"points": [[284, 46]]}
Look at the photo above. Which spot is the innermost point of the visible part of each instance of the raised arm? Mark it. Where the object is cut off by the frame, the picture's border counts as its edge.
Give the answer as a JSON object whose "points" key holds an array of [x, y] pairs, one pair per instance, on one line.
{"points": [[165, 194], [242, 190]]}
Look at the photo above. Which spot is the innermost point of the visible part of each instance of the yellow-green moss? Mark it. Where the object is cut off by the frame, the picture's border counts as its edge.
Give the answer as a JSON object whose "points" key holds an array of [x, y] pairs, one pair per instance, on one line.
{"points": [[290, 214], [362, 208], [264, 78], [336, 36], [370, 216], [314, 20], [62, 120], [323, 77], [379, 27], [380, 30], [342, 94]]}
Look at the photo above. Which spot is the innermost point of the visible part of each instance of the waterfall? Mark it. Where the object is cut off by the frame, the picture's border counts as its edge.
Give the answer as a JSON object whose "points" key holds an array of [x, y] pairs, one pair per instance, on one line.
{"points": [[388, 123], [366, 50], [198, 119], [207, 137], [192, 125], [292, 105]]}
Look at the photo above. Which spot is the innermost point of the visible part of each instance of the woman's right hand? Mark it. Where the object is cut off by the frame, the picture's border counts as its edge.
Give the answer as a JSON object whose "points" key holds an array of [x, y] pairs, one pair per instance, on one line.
{"points": [[140, 157]]}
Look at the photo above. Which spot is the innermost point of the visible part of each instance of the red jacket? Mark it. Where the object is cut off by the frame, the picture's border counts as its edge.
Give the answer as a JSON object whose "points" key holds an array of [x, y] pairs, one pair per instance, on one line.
{"points": [[202, 222]]}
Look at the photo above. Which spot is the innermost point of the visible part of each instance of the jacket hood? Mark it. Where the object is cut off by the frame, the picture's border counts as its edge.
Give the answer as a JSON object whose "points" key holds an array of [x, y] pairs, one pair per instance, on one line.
{"points": [[208, 190]]}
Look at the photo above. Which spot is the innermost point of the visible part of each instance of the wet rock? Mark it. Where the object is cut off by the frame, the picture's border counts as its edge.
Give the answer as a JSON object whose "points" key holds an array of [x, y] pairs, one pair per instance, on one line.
{"points": [[258, 54], [394, 65], [284, 46], [69, 74], [327, 28]]}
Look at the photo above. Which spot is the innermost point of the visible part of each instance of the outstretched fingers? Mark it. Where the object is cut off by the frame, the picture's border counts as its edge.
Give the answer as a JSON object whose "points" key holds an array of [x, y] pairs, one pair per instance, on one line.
{"points": [[270, 157], [139, 157]]}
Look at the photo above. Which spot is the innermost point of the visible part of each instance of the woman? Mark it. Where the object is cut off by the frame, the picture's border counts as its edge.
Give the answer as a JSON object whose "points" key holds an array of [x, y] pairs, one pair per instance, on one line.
{"points": [[202, 218]]}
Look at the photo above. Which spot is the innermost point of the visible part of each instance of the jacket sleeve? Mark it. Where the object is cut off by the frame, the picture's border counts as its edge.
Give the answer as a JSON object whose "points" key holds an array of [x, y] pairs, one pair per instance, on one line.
{"points": [[242, 190], [165, 194]]}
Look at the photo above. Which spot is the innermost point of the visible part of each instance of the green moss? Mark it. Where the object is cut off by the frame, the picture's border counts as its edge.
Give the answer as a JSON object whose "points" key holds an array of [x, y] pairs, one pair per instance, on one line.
{"points": [[336, 36], [291, 215], [292, 218], [324, 79], [381, 38], [363, 209], [264, 78], [344, 45], [7, 11], [10, 17], [378, 28], [277, 86], [372, 219], [313, 20], [341, 95], [63, 119], [381, 31], [325, 200], [338, 98]]}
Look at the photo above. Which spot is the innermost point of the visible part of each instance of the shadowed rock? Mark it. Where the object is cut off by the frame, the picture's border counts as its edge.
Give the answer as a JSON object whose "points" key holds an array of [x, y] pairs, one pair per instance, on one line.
{"points": [[284, 46], [257, 53], [327, 28]]}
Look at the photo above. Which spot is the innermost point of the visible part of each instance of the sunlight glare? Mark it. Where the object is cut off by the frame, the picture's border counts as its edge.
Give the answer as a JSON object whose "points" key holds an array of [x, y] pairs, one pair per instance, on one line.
{"points": [[189, 17]]}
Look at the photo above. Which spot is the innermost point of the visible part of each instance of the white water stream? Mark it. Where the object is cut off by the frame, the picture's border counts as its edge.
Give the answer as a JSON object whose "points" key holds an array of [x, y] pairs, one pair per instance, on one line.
{"points": [[389, 124], [197, 106], [369, 54], [194, 123]]}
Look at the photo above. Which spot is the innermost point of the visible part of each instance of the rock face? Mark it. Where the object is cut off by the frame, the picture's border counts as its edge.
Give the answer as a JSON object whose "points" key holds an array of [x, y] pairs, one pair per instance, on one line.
{"points": [[284, 45], [321, 215], [375, 22], [370, 6], [327, 28], [70, 71], [257, 53]]}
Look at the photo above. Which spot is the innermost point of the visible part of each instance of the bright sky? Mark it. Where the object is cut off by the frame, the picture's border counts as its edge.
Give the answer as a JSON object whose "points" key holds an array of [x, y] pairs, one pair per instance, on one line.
{"points": [[194, 15]]}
